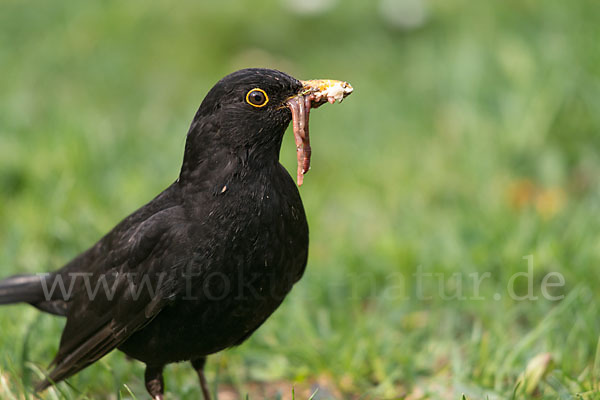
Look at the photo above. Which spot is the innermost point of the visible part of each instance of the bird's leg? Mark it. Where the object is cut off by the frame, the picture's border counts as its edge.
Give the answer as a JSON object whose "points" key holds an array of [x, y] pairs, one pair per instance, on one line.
{"points": [[198, 365], [154, 381]]}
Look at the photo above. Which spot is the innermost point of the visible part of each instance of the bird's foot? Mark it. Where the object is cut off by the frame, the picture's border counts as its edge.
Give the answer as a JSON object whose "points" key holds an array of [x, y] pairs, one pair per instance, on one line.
{"points": [[154, 382]]}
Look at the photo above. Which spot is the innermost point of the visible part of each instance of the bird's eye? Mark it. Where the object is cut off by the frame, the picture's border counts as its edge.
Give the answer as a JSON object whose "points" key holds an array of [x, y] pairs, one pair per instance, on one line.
{"points": [[257, 98]]}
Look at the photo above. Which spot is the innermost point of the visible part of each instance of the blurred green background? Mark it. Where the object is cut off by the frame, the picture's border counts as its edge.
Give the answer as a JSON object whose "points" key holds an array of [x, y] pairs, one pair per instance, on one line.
{"points": [[471, 141]]}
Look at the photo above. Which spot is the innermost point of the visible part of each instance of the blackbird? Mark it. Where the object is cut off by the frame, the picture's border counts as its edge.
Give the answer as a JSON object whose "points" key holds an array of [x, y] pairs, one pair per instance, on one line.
{"points": [[200, 267]]}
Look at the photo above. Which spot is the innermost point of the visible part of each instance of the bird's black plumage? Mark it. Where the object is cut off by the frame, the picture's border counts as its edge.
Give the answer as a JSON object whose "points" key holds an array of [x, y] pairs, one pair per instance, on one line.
{"points": [[204, 264]]}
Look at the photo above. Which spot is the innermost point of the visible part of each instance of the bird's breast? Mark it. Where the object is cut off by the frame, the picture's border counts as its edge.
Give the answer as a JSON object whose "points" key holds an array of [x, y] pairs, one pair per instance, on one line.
{"points": [[250, 245]]}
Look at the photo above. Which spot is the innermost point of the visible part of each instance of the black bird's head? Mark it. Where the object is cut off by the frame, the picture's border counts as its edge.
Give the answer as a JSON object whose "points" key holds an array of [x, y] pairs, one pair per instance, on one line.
{"points": [[250, 106], [247, 112]]}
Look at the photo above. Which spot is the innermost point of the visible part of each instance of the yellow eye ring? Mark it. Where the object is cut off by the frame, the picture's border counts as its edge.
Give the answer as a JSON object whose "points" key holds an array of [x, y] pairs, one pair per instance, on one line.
{"points": [[257, 98]]}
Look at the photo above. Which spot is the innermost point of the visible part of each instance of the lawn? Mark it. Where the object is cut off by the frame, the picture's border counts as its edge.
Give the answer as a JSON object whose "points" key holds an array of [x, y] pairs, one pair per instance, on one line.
{"points": [[453, 201]]}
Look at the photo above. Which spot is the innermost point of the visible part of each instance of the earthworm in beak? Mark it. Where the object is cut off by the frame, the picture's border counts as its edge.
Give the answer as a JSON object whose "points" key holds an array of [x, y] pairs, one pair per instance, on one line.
{"points": [[314, 94]]}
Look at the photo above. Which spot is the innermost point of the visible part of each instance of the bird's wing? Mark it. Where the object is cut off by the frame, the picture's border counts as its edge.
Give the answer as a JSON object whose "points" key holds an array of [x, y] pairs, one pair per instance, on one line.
{"points": [[127, 289]]}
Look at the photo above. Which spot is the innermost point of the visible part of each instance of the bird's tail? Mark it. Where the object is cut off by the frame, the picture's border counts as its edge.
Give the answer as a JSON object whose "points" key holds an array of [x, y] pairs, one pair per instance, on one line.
{"points": [[21, 289], [29, 289]]}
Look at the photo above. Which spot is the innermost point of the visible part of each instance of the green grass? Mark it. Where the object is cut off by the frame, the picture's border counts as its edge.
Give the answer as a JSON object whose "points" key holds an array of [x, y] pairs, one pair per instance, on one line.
{"points": [[471, 141]]}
